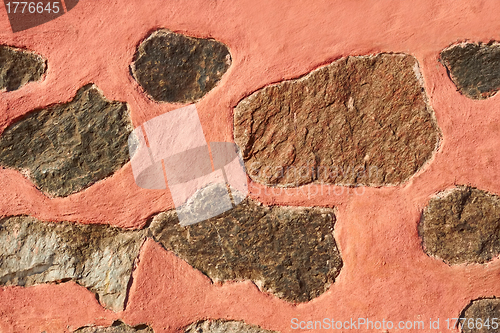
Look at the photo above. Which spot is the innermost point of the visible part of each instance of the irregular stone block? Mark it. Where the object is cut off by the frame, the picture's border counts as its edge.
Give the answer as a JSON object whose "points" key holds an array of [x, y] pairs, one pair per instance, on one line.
{"points": [[479, 314], [18, 67], [288, 251], [462, 226], [473, 68], [175, 68], [358, 121], [98, 257], [117, 327], [220, 326], [68, 147]]}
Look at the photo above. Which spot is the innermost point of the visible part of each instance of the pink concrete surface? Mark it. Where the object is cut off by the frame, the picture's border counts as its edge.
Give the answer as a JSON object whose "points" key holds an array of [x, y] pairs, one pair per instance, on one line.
{"points": [[385, 276]]}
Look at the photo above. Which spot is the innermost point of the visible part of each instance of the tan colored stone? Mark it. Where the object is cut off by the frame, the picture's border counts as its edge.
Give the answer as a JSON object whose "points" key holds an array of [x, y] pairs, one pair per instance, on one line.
{"points": [[98, 257]]}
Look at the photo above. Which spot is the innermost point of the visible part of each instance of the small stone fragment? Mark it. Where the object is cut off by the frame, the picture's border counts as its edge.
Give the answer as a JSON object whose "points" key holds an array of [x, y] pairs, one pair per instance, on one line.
{"points": [[474, 68], [207, 202], [220, 326], [117, 327], [358, 121], [175, 68], [462, 226], [98, 257], [479, 314], [66, 148], [288, 251], [18, 67]]}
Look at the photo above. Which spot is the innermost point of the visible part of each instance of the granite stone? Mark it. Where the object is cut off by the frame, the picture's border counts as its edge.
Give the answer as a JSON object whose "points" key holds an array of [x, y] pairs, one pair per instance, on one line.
{"points": [[361, 120]]}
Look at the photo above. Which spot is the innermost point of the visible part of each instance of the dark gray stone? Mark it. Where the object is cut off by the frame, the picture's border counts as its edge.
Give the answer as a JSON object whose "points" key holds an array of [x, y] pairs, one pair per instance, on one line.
{"points": [[98, 257], [288, 251], [65, 148], [221, 326], [175, 68], [474, 68], [18, 67], [117, 327], [358, 121], [462, 226], [480, 312]]}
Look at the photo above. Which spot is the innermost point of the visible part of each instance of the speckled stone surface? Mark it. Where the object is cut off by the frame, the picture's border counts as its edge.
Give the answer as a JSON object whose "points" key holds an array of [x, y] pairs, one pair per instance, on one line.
{"points": [[474, 68], [288, 251], [462, 225], [220, 326], [117, 327], [358, 121], [67, 147], [175, 68], [18, 67], [479, 316]]}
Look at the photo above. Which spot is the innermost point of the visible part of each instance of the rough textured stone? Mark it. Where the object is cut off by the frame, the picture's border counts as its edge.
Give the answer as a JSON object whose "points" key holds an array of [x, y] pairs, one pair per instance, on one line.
{"points": [[482, 309], [358, 121], [220, 326], [18, 67], [474, 68], [117, 327], [289, 251], [67, 147], [209, 201], [175, 68], [462, 226], [97, 257]]}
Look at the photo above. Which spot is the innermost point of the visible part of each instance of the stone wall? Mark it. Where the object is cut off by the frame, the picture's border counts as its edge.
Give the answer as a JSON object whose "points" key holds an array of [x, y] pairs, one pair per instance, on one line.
{"points": [[368, 132]]}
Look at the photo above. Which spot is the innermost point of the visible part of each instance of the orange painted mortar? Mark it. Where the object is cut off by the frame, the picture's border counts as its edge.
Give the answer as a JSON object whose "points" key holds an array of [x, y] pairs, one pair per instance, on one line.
{"points": [[386, 275]]}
